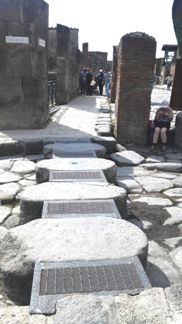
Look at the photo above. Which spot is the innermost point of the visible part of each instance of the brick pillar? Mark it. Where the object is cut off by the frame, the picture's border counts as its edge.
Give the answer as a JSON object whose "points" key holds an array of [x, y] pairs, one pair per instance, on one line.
{"points": [[114, 74], [85, 54], [176, 94], [136, 60], [23, 64], [178, 130]]}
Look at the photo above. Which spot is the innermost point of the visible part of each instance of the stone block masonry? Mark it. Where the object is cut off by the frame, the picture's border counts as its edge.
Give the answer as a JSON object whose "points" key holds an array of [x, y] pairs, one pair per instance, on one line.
{"points": [[23, 64], [136, 59]]}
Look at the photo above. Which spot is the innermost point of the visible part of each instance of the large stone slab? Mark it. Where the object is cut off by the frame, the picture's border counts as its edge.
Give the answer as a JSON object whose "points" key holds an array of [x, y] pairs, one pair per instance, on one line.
{"points": [[44, 167], [68, 239], [32, 198], [8, 191], [60, 148], [108, 142], [164, 166], [127, 158]]}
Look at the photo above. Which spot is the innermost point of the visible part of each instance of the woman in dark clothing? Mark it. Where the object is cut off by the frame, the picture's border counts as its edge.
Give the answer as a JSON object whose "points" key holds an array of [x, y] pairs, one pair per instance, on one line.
{"points": [[163, 118]]}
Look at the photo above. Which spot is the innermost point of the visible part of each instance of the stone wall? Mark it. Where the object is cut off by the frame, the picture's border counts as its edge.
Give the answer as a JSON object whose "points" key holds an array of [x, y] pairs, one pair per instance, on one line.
{"points": [[136, 59], [94, 60], [63, 61], [23, 64]]}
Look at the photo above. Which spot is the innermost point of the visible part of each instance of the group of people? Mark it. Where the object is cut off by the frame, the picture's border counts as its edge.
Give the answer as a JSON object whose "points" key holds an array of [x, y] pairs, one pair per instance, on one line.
{"points": [[92, 84]]}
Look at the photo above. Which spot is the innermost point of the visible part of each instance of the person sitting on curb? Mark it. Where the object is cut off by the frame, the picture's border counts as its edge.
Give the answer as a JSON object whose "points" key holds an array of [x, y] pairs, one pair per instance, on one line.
{"points": [[162, 121]]}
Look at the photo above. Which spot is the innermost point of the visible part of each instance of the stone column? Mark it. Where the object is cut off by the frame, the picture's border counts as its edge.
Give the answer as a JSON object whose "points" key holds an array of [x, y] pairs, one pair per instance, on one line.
{"points": [[136, 60], [23, 64], [114, 74], [178, 130], [176, 95]]}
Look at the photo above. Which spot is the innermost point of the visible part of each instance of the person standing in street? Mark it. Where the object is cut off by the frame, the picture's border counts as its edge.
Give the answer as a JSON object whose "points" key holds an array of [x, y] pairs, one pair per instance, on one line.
{"points": [[100, 81]]}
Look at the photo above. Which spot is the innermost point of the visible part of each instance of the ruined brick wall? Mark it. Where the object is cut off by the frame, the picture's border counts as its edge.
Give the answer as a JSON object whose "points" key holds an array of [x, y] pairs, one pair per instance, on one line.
{"points": [[136, 59], [63, 61], [114, 74], [94, 60], [23, 64], [97, 61]]}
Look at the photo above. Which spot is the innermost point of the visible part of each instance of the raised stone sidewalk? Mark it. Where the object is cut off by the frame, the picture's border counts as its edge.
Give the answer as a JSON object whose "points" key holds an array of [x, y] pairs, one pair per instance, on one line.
{"points": [[152, 186]]}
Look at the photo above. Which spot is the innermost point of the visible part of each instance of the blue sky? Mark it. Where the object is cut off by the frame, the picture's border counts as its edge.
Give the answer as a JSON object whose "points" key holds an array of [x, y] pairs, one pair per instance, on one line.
{"points": [[102, 23]]}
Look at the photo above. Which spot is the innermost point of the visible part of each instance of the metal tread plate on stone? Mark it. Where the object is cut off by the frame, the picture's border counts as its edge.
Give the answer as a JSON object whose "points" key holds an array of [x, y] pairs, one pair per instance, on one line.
{"points": [[74, 175], [80, 208], [56, 154], [54, 280]]}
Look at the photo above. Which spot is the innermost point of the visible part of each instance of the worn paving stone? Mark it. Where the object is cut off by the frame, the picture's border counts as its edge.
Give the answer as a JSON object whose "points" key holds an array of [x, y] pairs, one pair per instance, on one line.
{"points": [[26, 183], [8, 191], [172, 156], [43, 167], [23, 167], [31, 177], [20, 315], [68, 239], [177, 182], [155, 159], [153, 184], [4, 213], [127, 158], [165, 166], [132, 171], [174, 193], [176, 256], [6, 164], [6, 177], [32, 198], [12, 221], [161, 272], [165, 175], [153, 201], [175, 215], [129, 183]]}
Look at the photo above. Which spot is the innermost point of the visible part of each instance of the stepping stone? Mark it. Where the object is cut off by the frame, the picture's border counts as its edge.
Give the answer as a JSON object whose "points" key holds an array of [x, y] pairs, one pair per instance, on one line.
{"points": [[32, 198], [78, 176], [52, 240], [54, 280], [108, 142], [104, 130], [80, 208], [10, 147], [74, 148], [44, 167], [48, 139], [57, 154]]}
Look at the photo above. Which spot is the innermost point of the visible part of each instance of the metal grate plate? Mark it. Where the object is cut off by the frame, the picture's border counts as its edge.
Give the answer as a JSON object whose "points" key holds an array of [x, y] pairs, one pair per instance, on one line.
{"points": [[83, 176], [80, 208], [53, 281], [73, 154]]}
